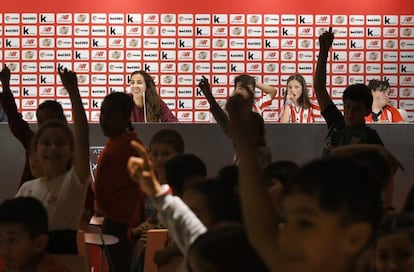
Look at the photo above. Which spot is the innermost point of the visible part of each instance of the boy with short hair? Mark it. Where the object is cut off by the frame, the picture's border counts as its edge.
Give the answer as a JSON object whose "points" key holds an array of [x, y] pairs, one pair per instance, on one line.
{"points": [[24, 237], [349, 128], [331, 208]]}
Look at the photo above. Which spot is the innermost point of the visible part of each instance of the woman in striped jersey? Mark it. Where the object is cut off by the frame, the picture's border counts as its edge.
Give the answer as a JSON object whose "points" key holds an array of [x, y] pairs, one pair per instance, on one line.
{"points": [[382, 111], [298, 108]]}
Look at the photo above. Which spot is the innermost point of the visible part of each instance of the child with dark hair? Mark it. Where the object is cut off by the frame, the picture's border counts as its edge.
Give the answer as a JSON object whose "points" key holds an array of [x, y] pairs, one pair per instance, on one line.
{"points": [[382, 111], [164, 145], [24, 237], [297, 106], [277, 175], [394, 246], [64, 158], [182, 170], [118, 197], [327, 221], [349, 128], [224, 249], [48, 110]]}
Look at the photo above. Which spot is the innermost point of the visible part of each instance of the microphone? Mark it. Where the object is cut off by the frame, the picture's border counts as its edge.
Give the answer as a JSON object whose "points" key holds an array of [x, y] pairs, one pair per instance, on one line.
{"points": [[145, 107]]}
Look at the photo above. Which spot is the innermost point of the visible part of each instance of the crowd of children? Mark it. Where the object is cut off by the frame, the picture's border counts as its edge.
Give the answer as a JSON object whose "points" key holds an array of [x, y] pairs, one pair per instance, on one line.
{"points": [[331, 214]]}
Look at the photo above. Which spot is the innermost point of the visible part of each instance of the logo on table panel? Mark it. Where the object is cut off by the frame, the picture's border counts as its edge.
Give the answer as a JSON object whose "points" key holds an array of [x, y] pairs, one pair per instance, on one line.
{"points": [[133, 42], [202, 67], [67, 30], [270, 116], [373, 68], [287, 68], [167, 79], [271, 80], [116, 42], [185, 67], [271, 68], [237, 55], [254, 67], [29, 103], [83, 79], [29, 91], [271, 31], [46, 30], [356, 32], [305, 43], [356, 68], [390, 44], [339, 80], [168, 31], [168, 18], [47, 91], [305, 68], [373, 20], [133, 30], [219, 67], [339, 19], [407, 104], [202, 31], [254, 43], [185, 43], [237, 18], [11, 18], [373, 56], [185, 92], [131, 67], [117, 18], [288, 43], [150, 55], [390, 32], [185, 55], [98, 54], [81, 18], [219, 91], [98, 67], [271, 19], [219, 43], [234, 43], [98, 30], [407, 44], [29, 79], [11, 54], [407, 32], [288, 55], [170, 103], [82, 67], [29, 30], [185, 31], [81, 43], [133, 18], [11, 30], [374, 32], [390, 68], [305, 31], [373, 44], [168, 67], [151, 18], [29, 54], [116, 30], [99, 18], [356, 20], [322, 19], [185, 116], [219, 19], [407, 92], [185, 80], [150, 43], [98, 91], [116, 79], [202, 19], [254, 31], [99, 79], [288, 19], [202, 116], [202, 43], [28, 18], [186, 19], [337, 92], [271, 55], [116, 67], [217, 55], [407, 80], [406, 20], [201, 104], [339, 68], [64, 18], [167, 92], [29, 67], [46, 55], [254, 19], [13, 43], [356, 56], [254, 55]]}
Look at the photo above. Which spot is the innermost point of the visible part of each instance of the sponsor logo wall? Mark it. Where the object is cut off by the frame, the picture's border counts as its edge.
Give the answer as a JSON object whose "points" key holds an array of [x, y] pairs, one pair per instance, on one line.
{"points": [[177, 49]]}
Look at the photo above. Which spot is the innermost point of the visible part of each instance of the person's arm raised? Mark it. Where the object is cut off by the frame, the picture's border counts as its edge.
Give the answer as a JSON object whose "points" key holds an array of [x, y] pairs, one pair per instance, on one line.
{"points": [[80, 124], [267, 89], [259, 218], [319, 83], [218, 113]]}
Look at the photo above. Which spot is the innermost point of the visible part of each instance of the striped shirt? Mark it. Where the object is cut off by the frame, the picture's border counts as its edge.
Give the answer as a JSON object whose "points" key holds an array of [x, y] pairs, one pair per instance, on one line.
{"points": [[387, 114]]}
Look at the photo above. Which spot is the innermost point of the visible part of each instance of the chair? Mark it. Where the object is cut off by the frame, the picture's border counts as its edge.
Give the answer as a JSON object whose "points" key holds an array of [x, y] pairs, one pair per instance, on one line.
{"points": [[156, 239], [404, 115], [101, 240]]}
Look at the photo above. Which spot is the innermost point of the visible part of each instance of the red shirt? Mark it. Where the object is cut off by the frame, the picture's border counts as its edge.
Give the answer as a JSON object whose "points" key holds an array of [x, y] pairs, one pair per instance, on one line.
{"points": [[388, 114]]}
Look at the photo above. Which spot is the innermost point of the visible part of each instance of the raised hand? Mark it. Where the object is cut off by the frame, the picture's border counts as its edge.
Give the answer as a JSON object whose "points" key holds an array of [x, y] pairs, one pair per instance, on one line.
{"points": [[141, 170], [5, 76], [204, 86], [326, 39], [69, 79]]}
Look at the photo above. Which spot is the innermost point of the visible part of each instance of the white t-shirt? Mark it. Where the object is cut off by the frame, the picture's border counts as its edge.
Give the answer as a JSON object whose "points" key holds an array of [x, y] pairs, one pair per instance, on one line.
{"points": [[62, 197]]}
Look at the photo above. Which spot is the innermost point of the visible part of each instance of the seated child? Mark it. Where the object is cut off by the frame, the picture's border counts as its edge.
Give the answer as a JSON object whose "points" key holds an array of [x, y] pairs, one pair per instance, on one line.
{"points": [[24, 238], [394, 247]]}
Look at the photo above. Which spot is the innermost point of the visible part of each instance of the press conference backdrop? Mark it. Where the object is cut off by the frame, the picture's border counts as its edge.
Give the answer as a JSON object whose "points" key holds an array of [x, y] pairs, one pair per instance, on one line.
{"points": [[300, 143], [179, 41]]}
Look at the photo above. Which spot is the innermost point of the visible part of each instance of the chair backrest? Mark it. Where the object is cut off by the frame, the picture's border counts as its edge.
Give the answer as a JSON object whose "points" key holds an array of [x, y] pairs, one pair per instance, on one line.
{"points": [[156, 239], [403, 114], [75, 263]]}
